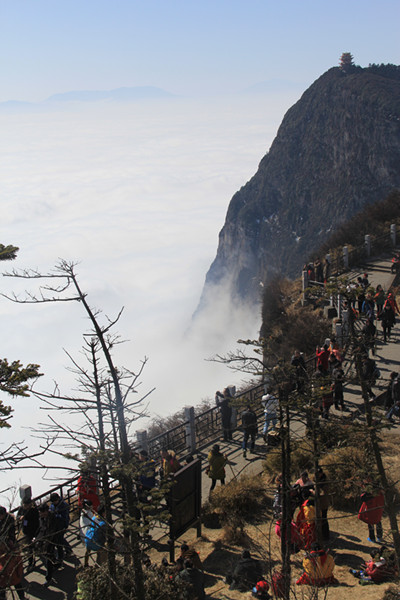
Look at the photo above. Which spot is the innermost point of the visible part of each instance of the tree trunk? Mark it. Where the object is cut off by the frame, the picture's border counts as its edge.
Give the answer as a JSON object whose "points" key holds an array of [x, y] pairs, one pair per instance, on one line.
{"points": [[371, 431]]}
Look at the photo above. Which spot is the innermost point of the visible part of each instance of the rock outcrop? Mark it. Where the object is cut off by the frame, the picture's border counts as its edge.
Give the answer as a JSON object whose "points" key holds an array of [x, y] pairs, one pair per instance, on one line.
{"points": [[337, 149]]}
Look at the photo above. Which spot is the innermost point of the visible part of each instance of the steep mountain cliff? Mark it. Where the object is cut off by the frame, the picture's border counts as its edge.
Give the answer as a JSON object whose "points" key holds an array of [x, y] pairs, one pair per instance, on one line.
{"points": [[337, 149]]}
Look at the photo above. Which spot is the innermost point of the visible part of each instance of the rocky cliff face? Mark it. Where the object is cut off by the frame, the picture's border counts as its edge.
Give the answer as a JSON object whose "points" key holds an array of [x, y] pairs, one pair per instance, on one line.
{"points": [[337, 149]]}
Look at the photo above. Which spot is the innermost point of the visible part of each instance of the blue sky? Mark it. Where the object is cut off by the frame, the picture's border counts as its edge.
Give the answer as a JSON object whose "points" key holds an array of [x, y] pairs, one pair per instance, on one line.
{"points": [[185, 46]]}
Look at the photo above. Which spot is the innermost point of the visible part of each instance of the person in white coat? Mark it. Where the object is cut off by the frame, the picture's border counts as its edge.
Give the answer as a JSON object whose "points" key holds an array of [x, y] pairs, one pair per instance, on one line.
{"points": [[271, 405], [86, 521]]}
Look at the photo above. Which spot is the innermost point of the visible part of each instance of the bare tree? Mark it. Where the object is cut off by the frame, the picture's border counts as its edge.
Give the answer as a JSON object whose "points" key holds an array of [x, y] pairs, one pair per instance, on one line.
{"points": [[104, 390], [15, 380]]}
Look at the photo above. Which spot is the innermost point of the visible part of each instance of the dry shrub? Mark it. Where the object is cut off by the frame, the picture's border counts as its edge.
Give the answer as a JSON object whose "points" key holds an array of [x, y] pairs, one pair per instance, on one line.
{"points": [[160, 425], [373, 218], [301, 458], [244, 500], [284, 320], [94, 583], [392, 593], [346, 468], [336, 434], [305, 329]]}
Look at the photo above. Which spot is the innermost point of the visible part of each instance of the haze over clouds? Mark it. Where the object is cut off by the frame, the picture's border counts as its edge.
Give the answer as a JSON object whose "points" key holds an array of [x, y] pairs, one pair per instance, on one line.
{"points": [[137, 193]]}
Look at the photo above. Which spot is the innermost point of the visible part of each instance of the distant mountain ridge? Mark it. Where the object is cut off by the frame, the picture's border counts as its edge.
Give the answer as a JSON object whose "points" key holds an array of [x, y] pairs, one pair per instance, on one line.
{"points": [[337, 149], [120, 94]]}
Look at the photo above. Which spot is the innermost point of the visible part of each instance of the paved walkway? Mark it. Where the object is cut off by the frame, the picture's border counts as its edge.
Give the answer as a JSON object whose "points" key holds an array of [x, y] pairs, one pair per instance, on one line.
{"points": [[388, 360]]}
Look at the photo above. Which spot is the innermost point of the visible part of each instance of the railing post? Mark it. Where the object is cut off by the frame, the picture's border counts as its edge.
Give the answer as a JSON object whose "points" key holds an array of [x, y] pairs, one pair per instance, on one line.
{"points": [[339, 306], [393, 234], [346, 257], [234, 419], [190, 428], [339, 333], [25, 493], [368, 245], [304, 281], [141, 437]]}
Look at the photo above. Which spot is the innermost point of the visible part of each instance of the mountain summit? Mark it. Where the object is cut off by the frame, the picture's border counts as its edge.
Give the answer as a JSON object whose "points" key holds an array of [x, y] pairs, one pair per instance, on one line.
{"points": [[337, 149]]}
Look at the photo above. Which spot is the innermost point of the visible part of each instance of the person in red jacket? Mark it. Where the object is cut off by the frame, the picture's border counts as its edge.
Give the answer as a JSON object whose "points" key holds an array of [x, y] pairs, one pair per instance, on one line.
{"points": [[371, 512], [391, 300], [87, 490], [296, 540], [322, 355], [381, 567]]}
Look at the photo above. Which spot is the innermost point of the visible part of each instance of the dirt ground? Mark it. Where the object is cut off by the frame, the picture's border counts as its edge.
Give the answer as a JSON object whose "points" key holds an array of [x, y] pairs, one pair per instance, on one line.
{"points": [[348, 545]]}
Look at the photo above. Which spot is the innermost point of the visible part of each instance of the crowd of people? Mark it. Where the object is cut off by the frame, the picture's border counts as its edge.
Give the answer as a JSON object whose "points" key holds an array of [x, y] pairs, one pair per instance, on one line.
{"points": [[44, 527]]}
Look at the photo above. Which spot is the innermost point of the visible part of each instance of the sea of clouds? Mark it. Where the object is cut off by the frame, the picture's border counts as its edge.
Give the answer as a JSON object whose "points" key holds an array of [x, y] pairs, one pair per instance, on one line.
{"points": [[136, 193]]}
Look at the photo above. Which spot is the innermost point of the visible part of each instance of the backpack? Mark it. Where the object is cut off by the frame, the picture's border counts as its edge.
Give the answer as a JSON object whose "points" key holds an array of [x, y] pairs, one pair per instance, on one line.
{"points": [[95, 534]]}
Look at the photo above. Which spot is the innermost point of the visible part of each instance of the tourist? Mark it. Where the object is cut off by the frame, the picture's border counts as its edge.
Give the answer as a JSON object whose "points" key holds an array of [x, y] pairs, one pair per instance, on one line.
{"points": [[169, 463], [299, 364], [246, 573], [49, 540], [305, 520], [86, 521], [11, 571], [304, 480], [87, 489], [318, 568], [189, 553], [371, 512], [28, 519], [216, 466], [60, 509], [194, 578], [379, 299], [387, 319], [249, 426], [322, 355], [271, 405], [337, 385], [382, 567]]}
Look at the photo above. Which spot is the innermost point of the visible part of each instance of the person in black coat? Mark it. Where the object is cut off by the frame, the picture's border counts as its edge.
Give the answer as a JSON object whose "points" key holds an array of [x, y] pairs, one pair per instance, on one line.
{"points": [[246, 573], [7, 528], [28, 520], [194, 578], [48, 540]]}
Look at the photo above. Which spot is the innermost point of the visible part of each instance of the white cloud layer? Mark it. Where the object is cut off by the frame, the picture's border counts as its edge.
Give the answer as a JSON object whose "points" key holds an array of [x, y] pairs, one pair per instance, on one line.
{"points": [[138, 194]]}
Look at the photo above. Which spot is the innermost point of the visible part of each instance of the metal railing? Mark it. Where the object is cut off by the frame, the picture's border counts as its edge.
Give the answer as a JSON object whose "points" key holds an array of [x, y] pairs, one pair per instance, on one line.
{"points": [[363, 251], [66, 490], [208, 423]]}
